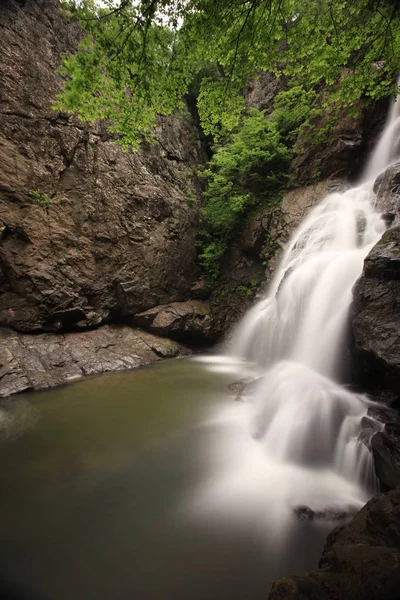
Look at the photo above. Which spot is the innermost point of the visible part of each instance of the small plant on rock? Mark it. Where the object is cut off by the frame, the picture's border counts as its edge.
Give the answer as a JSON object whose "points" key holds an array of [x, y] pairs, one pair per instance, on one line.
{"points": [[39, 198]]}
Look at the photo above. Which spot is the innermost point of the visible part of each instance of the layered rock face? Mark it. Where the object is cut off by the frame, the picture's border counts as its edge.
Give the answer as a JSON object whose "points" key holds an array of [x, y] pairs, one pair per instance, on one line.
{"points": [[114, 232]]}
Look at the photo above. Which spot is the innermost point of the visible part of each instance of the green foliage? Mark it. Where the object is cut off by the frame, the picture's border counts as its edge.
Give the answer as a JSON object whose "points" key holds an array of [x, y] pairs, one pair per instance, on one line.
{"points": [[247, 289], [249, 170], [293, 109], [245, 171], [140, 57], [212, 248], [39, 198]]}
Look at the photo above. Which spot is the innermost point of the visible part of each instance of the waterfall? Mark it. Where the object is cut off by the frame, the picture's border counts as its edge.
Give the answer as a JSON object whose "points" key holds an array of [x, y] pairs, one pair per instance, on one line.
{"points": [[297, 442], [296, 333], [387, 147]]}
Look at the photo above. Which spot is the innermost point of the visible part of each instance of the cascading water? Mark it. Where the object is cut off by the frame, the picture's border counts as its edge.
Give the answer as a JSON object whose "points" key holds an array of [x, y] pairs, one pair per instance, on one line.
{"points": [[297, 331], [306, 424]]}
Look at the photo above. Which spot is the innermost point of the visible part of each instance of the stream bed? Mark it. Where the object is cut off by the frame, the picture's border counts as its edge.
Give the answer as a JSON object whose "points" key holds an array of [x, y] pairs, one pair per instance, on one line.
{"points": [[124, 486]]}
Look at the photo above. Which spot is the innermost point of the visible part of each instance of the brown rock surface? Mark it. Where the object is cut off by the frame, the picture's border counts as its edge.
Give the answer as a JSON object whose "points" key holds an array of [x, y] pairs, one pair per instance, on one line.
{"points": [[118, 235], [38, 361], [187, 321]]}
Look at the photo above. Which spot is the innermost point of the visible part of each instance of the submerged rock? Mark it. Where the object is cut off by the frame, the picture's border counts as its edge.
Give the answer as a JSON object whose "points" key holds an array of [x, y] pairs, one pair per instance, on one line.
{"points": [[33, 362], [305, 513], [361, 560], [244, 387]]}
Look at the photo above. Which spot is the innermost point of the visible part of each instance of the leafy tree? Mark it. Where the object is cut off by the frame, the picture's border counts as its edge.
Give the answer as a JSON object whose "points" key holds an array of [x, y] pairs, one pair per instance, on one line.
{"points": [[140, 56]]}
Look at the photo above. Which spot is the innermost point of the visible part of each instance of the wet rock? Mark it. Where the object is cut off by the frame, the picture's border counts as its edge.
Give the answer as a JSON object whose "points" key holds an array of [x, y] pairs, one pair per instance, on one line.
{"points": [[386, 452], [305, 513], [341, 152], [189, 321], [380, 414], [38, 361], [244, 387], [117, 235], [360, 560], [375, 345], [388, 398], [387, 190], [369, 423]]}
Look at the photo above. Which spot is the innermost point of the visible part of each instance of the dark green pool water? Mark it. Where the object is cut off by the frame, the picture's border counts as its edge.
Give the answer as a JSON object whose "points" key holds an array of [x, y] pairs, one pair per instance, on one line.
{"points": [[97, 480]]}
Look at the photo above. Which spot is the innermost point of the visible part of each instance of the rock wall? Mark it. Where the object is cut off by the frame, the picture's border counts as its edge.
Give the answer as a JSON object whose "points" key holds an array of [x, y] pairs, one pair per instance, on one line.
{"points": [[118, 235]]}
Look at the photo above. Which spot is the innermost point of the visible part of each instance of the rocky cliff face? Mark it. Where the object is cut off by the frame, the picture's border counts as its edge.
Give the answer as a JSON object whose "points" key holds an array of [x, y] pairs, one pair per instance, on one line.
{"points": [[115, 233], [88, 233]]}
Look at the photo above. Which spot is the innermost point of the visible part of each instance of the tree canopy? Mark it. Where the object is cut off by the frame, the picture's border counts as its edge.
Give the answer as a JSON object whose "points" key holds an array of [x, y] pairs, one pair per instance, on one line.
{"points": [[140, 57]]}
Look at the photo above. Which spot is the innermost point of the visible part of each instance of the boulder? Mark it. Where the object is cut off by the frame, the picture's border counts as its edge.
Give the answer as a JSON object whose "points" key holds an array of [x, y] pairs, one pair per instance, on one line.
{"points": [[189, 321], [361, 560], [38, 361]]}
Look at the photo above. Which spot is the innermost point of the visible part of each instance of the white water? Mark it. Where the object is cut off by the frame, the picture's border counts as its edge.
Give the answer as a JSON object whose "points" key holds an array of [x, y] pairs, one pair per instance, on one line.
{"points": [[302, 446]]}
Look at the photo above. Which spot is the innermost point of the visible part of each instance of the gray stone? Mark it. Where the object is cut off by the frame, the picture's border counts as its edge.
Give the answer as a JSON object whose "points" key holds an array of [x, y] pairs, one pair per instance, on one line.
{"points": [[38, 361], [186, 321]]}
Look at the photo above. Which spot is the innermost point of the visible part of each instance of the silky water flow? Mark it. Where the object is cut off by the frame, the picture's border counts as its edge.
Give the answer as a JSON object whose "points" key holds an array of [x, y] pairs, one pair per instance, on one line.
{"points": [[299, 444]]}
